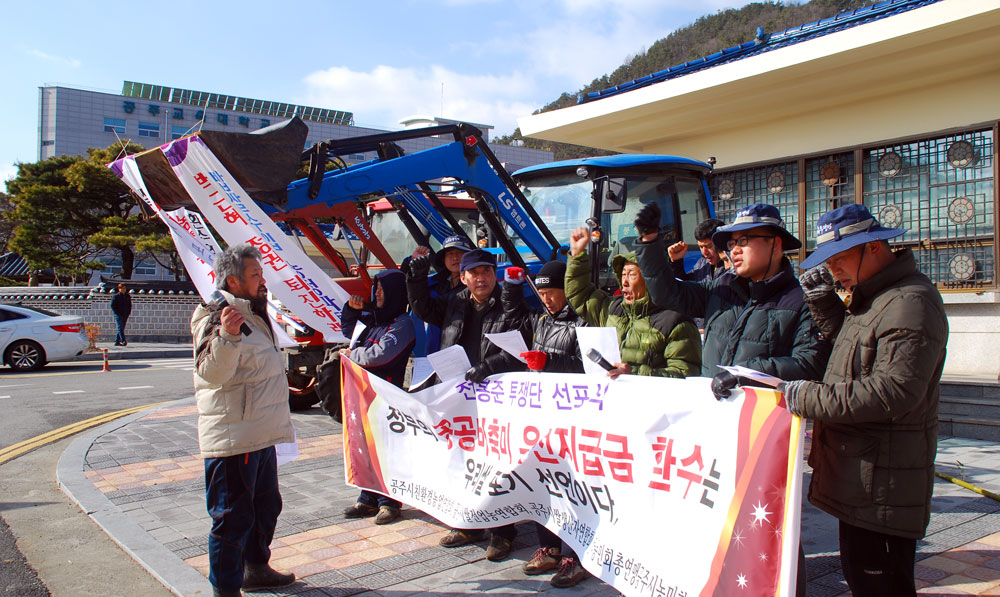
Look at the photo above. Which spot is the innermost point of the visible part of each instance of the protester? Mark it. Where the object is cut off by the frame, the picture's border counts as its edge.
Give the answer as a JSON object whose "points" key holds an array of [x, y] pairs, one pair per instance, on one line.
{"points": [[121, 306], [465, 318], [553, 335], [875, 412], [710, 265], [756, 318], [653, 341], [242, 396], [383, 348], [446, 281]]}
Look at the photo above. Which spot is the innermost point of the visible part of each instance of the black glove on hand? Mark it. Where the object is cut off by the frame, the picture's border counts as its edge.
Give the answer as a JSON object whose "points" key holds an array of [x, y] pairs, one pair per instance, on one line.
{"points": [[647, 220], [817, 282], [477, 373], [419, 266], [722, 383]]}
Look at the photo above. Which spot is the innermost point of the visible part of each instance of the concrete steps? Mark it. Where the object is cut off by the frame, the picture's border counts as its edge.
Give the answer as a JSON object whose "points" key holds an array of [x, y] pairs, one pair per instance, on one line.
{"points": [[970, 409]]}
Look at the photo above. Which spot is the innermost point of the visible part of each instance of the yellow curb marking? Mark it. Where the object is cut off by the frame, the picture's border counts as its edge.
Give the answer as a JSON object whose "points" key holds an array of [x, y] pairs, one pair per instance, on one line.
{"points": [[11, 452]]}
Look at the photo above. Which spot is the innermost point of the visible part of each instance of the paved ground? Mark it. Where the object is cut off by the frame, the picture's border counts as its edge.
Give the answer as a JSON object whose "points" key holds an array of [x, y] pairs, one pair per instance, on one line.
{"points": [[141, 478]]}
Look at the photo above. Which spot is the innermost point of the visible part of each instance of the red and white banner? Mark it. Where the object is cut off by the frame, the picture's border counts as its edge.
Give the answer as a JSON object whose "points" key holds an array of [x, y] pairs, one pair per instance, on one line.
{"points": [[659, 488]]}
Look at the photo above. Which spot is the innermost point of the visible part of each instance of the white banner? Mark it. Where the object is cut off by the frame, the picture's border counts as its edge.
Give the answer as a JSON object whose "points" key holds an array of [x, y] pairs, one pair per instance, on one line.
{"points": [[659, 488], [291, 275]]}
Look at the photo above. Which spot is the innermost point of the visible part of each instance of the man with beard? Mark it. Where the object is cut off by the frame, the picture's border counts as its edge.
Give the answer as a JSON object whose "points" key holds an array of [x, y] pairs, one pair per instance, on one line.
{"points": [[242, 396], [465, 318], [383, 348]]}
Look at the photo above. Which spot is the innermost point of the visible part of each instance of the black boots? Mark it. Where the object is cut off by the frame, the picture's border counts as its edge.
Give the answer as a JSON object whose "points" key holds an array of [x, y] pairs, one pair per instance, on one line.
{"points": [[257, 577]]}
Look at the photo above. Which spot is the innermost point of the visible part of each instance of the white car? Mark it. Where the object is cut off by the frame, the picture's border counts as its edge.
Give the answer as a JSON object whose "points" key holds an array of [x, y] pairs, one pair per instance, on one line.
{"points": [[31, 337]]}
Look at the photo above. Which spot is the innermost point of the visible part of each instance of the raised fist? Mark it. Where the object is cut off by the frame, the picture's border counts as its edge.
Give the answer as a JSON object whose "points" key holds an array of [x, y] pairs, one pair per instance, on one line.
{"points": [[677, 251], [647, 221], [513, 275]]}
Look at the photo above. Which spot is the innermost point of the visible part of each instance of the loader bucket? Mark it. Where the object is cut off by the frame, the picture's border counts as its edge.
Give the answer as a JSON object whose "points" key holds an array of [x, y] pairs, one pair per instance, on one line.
{"points": [[263, 162], [161, 182]]}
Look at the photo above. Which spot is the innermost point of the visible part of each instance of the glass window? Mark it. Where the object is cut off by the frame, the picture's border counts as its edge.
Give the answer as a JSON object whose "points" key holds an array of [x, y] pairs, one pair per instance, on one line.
{"points": [[114, 125], [8, 315], [176, 132], [149, 129], [144, 268]]}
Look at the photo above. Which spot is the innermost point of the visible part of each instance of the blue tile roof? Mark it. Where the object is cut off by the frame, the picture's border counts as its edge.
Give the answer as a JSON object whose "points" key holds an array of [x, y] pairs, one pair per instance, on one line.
{"points": [[763, 42]]}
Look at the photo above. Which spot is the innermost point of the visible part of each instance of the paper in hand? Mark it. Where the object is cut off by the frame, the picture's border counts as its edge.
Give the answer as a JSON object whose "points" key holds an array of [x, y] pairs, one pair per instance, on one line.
{"points": [[450, 363], [511, 342], [764, 378], [604, 341]]}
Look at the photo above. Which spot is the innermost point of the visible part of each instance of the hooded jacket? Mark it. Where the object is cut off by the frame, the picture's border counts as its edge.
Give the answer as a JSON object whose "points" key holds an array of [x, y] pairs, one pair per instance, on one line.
{"points": [[384, 346], [450, 313], [875, 430], [553, 334], [763, 325], [239, 384], [653, 341]]}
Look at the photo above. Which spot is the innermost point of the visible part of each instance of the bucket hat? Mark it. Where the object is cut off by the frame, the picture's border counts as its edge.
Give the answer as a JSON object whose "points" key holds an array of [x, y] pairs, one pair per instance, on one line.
{"points": [[452, 242], [840, 229], [477, 257], [756, 216]]}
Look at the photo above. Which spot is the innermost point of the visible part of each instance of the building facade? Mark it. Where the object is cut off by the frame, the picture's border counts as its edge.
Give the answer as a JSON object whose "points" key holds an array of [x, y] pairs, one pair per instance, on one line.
{"points": [[71, 120], [892, 105]]}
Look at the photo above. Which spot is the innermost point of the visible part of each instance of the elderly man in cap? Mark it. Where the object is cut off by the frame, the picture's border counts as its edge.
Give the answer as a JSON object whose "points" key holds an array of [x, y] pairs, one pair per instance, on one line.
{"points": [[465, 318], [757, 318], [447, 281], [875, 412]]}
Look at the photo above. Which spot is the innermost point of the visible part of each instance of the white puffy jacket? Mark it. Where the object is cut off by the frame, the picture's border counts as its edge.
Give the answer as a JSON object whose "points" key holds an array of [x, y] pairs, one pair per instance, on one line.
{"points": [[240, 385]]}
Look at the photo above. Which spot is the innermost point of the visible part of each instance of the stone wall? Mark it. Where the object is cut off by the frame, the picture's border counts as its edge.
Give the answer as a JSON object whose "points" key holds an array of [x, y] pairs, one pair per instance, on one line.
{"points": [[155, 317]]}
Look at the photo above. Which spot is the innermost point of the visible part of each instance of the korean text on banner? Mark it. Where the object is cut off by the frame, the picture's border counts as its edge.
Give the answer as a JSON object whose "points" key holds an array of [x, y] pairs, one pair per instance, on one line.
{"points": [[291, 275], [623, 471]]}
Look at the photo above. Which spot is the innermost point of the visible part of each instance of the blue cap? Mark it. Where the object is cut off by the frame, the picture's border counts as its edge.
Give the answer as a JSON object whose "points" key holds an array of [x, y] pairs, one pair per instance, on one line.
{"points": [[756, 216], [477, 257], [840, 229], [455, 241]]}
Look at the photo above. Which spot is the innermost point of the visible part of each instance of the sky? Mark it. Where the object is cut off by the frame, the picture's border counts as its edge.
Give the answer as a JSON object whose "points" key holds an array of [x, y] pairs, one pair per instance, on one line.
{"points": [[483, 61]]}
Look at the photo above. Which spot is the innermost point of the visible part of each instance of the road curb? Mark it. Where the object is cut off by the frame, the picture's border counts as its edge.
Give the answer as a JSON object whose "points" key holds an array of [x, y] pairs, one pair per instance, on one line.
{"points": [[159, 561], [168, 353]]}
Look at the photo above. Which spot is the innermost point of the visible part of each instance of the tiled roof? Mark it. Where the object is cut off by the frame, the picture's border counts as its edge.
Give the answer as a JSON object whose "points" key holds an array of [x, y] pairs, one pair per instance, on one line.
{"points": [[764, 42]]}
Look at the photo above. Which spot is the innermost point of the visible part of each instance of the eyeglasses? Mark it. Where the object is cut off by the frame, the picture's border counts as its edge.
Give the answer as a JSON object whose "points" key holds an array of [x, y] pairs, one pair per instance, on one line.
{"points": [[744, 240]]}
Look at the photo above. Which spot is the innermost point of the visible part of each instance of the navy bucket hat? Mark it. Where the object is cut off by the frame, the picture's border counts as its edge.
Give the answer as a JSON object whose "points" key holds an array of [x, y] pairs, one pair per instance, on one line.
{"points": [[756, 216], [452, 242], [840, 229]]}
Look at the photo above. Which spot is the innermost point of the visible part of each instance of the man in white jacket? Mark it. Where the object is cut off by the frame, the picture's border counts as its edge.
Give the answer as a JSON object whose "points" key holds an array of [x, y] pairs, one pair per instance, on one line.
{"points": [[242, 395]]}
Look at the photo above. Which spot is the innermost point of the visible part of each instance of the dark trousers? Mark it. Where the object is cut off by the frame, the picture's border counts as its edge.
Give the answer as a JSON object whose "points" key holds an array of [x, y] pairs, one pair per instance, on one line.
{"points": [[548, 539], [120, 323], [244, 503], [876, 564], [370, 498]]}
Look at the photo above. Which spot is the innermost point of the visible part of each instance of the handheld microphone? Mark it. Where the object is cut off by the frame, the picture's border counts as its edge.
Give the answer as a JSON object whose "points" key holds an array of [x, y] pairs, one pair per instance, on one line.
{"points": [[595, 356], [219, 299]]}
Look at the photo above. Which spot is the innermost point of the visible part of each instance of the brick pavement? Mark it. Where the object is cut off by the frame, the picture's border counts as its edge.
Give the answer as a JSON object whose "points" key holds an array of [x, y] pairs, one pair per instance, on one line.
{"points": [[149, 474]]}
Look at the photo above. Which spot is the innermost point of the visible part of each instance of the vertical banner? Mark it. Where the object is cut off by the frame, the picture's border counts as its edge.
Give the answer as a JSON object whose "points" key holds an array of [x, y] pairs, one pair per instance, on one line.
{"points": [[659, 488], [291, 275]]}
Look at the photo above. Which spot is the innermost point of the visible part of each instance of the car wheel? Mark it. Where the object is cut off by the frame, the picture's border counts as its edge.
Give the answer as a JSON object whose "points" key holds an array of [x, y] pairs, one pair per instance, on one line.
{"points": [[25, 355]]}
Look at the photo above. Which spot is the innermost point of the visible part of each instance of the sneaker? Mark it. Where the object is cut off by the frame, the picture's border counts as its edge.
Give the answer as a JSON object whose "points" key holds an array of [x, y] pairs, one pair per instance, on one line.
{"points": [[457, 538], [543, 560], [570, 573], [258, 577], [499, 548], [386, 514], [360, 510]]}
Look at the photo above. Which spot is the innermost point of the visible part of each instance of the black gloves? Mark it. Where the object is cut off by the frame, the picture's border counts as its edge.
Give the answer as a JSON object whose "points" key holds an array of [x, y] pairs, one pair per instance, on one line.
{"points": [[817, 282], [722, 383], [419, 266], [477, 373], [647, 220]]}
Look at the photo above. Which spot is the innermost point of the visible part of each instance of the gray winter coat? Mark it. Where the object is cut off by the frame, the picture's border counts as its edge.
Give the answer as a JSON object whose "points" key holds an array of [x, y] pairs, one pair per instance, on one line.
{"points": [[875, 432]]}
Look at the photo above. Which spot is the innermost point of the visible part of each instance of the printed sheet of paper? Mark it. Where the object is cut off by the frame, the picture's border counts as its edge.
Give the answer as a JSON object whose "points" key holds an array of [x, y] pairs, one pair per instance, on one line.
{"points": [[511, 342], [422, 369], [764, 378], [450, 363], [604, 341], [358, 329]]}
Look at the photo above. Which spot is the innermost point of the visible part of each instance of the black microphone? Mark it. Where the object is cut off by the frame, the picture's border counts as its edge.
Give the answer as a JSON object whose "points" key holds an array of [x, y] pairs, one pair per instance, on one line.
{"points": [[595, 356], [220, 299]]}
